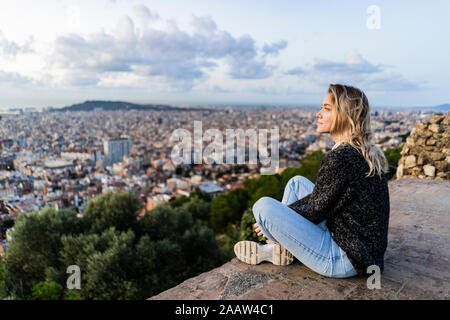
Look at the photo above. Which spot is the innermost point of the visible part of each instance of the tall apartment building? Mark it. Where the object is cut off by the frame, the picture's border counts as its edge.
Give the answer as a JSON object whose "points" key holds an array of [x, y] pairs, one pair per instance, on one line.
{"points": [[115, 150]]}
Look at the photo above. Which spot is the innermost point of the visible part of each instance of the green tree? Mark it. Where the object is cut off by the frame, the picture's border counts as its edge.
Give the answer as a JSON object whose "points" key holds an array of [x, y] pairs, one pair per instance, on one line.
{"points": [[72, 295], [198, 244], [393, 156], [200, 195], [159, 222], [227, 241], [106, 264], [199, 209], [228, 208], [161, 266], [130, 259], [175, 247], [265, 185], [179, 201], [34, 247], [108, 275], [247, 230], [119, 210], [3, 292], [44, 290]]}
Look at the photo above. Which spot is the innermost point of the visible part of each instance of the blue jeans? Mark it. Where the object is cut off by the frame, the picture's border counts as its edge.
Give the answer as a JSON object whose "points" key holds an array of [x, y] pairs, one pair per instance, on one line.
{"points": [[310, 243]]}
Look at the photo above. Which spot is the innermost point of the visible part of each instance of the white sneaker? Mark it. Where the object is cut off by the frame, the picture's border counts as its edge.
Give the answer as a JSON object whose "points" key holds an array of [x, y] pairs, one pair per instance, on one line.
{"points": [[252, 252]]}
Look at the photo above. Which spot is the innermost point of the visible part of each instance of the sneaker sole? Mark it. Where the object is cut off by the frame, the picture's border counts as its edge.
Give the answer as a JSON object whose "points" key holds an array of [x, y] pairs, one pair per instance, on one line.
{"points": [[252, 252]]}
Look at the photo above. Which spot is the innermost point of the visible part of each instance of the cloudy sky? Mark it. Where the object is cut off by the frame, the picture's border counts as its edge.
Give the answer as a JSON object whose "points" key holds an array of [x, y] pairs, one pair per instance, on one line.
{"points": [[60, 52]]}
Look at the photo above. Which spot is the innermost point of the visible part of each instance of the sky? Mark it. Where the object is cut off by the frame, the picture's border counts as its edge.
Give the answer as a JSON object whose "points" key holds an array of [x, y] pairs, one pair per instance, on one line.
{"points": [[61, 52]]}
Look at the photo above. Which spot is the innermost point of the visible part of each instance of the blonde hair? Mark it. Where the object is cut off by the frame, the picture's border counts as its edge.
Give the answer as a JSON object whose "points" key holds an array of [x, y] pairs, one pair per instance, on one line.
{"points": [[351, 121]]}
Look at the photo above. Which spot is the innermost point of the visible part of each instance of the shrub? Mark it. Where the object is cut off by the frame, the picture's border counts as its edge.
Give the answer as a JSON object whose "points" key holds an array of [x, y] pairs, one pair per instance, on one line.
{"points": [[247, 230], [47, 291]]}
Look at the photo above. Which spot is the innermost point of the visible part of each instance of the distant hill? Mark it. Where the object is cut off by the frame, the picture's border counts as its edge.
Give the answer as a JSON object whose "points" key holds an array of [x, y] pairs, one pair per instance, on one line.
{"points": [[121, 105], [443, 108], [438, 108]]}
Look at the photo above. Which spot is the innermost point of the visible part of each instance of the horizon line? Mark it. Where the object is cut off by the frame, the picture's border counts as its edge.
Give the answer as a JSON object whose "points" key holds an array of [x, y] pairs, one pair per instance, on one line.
{"points": [[220, 104]]}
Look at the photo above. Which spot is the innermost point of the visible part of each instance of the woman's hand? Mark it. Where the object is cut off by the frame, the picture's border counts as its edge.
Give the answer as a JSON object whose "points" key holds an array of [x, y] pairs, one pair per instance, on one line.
{"points": [[258, 230]]}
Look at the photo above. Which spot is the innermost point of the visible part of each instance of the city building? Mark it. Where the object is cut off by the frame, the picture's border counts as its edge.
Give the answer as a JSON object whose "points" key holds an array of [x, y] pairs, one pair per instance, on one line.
{"points": [[115, 150]]}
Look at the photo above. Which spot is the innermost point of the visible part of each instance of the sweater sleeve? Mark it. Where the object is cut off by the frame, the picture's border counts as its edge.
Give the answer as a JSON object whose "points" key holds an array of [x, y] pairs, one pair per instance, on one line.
{"points": [[334, 173]]}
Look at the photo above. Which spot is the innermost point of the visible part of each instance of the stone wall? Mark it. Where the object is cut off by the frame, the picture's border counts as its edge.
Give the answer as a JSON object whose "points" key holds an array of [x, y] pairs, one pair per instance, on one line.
{"points": [[426, 154]]}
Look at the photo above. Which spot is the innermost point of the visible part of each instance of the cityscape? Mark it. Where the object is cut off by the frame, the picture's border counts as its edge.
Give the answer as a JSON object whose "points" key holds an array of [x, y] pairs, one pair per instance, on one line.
{"points": [[146, 146], [64, 159]]}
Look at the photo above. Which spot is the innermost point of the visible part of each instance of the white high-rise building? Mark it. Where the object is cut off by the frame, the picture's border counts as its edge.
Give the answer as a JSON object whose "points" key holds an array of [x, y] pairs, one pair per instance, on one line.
{"points": [[115, 150]]}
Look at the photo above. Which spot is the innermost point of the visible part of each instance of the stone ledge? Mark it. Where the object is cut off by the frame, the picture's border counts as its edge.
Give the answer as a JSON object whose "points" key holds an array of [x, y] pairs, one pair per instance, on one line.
{"points": [[416, 260]]}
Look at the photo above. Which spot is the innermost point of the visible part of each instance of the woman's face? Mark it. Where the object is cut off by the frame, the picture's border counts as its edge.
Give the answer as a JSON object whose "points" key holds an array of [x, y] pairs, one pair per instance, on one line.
{"points": [[324, 115]]}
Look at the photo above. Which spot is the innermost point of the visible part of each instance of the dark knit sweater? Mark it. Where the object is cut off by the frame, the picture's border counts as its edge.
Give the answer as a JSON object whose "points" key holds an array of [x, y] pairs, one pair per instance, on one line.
{"points": [[356, 208]]}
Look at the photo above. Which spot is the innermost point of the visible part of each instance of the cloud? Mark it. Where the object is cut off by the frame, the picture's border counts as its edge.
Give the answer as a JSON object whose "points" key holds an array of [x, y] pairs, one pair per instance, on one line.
{"points": [[15, 79], [204, 25], [391, 81], [172, 55], [10, 49], [144, 15], [125, 33], [295, 71], [275, 47], [354, 63], [80, 80], [75, 53], [354, 70], [219, 89], [241, 68]]}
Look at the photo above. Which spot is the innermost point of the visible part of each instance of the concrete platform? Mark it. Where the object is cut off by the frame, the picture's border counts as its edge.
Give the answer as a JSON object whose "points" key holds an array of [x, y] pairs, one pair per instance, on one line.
{"points": [[416, 261]]}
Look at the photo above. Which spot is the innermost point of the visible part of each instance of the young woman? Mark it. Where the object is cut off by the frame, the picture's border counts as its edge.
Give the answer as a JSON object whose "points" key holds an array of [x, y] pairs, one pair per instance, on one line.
{"points": [[338, 227]]}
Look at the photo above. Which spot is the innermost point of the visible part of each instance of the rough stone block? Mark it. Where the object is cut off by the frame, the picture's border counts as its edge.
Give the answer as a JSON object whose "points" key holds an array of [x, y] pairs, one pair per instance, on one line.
{"points": [[429, 170], [442, 175], [410, 142], [399, 172], [436, 156], [416, 171], [446, 120], [419, 126], [405, 150], [441, 166], [436, 118], [420, 141], [436, 128], [410, 161], [431, 142]]}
